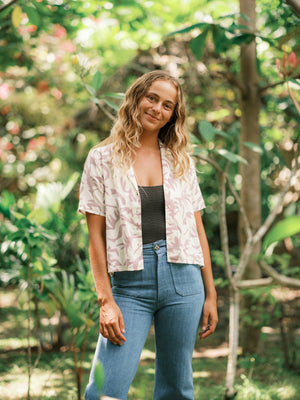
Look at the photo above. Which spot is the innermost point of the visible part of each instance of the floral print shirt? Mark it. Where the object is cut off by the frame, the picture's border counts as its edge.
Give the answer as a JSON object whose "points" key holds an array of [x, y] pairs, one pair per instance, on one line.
{"points": [[111, 193]]}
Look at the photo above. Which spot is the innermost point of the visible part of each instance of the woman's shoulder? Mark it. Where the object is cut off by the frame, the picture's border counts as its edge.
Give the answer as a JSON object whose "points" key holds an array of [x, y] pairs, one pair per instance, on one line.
{"points": [[102, 151]]}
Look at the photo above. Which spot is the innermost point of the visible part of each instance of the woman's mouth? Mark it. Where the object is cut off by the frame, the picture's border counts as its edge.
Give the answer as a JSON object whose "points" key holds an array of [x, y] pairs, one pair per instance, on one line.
{"points": [[152, 117]]}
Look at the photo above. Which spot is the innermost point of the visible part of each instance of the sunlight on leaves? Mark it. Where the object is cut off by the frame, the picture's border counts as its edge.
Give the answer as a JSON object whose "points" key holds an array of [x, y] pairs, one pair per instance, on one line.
{"points": [[16, 16]]}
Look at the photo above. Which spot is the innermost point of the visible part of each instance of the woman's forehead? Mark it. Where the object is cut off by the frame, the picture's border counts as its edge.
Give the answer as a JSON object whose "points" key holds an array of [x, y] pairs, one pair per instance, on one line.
{"points": [[165, 89]]}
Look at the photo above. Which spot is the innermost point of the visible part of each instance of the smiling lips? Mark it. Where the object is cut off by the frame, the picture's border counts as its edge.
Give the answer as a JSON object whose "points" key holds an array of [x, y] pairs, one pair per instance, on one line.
{"points": [[152, 116]]}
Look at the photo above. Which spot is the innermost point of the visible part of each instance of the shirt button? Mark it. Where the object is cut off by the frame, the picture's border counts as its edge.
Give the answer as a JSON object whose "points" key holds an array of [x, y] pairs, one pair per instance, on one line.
{"points": [[156, 247]]}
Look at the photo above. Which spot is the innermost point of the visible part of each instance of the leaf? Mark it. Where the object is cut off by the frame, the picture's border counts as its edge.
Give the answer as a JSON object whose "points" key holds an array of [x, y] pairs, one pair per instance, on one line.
{"points": [[99, 375], [33, 15], [198, 43], [245, 17], [243, 38], [38, 265], [222, 133], [221, 42], [50, 308], [218, 114], [90, 89], [188, 28], [97, 81], [254, 147], [234, 27], [89, 322], [235, 158], [114, 95], [112, 105], [7, 201], [283, 229], [43, 9], [69, 185], [207, 130], [16, 16], [48, 196], [295, 81], [95, 100], [38, 215]]}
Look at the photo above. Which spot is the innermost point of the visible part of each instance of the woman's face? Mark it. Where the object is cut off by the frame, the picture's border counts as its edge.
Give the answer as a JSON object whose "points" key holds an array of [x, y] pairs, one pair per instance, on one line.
{"points": [[157, 105]]}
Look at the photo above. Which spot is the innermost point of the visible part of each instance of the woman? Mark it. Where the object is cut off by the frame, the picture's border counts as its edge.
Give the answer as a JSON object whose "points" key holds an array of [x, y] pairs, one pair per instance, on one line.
{"points": [[142, 203]]}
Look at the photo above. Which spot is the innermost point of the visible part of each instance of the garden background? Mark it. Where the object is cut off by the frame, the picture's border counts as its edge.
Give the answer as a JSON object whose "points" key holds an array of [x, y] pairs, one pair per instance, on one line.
{"points": [[64, 66]]}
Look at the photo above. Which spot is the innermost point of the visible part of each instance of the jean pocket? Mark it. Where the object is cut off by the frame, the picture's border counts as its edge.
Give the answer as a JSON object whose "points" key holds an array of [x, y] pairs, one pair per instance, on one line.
{"points": [[128, 283], [187, 279]]}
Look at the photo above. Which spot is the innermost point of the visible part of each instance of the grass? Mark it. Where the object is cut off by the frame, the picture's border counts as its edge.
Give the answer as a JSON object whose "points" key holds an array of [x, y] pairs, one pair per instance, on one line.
{"points": [[259, 377]]}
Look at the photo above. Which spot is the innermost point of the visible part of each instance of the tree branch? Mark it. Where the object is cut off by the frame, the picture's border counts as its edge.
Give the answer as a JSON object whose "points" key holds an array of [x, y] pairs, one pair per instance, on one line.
{"points": [[281, 82], [7, 5], [271, 217], [295, 5], [244, 259], [292, 96], [279, 278], [233, 191], [106, 112], [209, 161], [271, 85], [254, 283], [234, 80], [223, 228]]}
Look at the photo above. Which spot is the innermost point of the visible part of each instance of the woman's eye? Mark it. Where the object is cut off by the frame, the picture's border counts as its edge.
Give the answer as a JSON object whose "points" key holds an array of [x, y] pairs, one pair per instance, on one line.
{"points": [[151, 98]]}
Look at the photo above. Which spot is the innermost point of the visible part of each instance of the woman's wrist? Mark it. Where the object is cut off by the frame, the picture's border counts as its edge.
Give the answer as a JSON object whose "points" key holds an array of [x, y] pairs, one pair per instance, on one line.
{"points": [[104, 299], [211, 294]]}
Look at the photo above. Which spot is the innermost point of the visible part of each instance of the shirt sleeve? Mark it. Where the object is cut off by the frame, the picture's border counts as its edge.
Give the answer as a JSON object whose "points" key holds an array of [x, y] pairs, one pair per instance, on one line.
{"points": [[196, 195], [91, 192]]}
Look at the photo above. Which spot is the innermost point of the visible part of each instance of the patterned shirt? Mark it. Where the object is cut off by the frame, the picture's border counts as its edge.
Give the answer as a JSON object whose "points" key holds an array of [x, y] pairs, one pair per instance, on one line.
{"points": [[114, 194]]}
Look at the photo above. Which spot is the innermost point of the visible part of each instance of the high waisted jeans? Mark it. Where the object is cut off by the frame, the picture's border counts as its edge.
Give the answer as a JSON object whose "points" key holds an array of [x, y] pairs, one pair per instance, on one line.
{"points": [[172, 295]]}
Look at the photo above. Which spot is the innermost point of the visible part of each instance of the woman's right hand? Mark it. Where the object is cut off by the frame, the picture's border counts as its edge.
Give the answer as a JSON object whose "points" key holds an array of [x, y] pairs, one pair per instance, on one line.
{"points": [[111, 323]]}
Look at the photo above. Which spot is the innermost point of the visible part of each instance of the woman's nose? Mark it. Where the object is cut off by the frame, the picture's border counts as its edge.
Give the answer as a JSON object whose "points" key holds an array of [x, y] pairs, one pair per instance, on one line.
{"points": [[157, 107]]}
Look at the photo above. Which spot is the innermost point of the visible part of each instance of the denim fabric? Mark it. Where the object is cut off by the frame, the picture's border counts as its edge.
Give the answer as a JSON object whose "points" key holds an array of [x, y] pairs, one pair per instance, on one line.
{"points": [[170, 294]]}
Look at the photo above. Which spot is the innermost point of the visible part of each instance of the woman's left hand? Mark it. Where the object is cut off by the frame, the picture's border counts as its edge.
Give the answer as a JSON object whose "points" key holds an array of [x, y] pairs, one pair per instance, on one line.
{"points": [[209, 318]]}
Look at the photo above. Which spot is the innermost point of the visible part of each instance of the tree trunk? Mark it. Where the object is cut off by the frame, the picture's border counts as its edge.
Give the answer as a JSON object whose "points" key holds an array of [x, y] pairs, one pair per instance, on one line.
{"points": [[230, 392], [250, 191]]}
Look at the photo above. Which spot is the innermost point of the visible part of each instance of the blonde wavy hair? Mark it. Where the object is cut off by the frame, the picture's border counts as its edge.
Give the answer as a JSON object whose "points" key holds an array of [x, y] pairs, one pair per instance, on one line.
{"points": [[127, 129]]}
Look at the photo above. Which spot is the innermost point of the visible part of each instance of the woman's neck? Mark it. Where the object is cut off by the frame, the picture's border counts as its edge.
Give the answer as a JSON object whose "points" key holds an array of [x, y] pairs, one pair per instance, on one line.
{"points": [[149, 141]]}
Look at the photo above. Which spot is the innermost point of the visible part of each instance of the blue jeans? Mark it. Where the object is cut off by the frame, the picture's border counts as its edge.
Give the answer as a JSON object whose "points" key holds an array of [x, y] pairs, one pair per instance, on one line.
{"points": [[172, 295]]}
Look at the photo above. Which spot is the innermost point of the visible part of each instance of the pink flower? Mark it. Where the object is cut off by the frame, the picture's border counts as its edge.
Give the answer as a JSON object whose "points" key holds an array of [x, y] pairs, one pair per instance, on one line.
{"points": [[4, 91], [36, 144], [293, 60], [31, 28], [59, 31], [287, 65], [68, 46], [5, 110], [14, 128], [57, 94]]}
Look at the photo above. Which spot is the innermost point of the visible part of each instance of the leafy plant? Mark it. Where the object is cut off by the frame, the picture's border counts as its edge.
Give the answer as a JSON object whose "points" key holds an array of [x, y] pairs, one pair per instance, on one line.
{"points": [[30, 242], [76, 300]]}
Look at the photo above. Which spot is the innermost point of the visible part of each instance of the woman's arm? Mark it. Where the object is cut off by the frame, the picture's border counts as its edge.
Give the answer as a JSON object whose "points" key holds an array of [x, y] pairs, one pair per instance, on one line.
{"points": [[210, 313], [111, 319]]}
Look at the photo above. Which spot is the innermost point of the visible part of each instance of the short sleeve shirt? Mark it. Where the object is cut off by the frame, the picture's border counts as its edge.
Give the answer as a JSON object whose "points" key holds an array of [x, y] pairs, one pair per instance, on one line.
{"points": [[114, 194]]}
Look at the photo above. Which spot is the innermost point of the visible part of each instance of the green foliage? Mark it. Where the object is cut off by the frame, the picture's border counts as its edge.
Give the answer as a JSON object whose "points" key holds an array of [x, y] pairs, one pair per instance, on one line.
{"points": [[283, 229], [265, 305], [97, 81], [223, 37], [208, 133], [58, 56], [28, 240]]}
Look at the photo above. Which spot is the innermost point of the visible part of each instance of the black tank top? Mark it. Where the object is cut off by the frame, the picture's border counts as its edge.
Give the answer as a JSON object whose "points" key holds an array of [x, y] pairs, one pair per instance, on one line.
{"points": [[153, 213]]}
